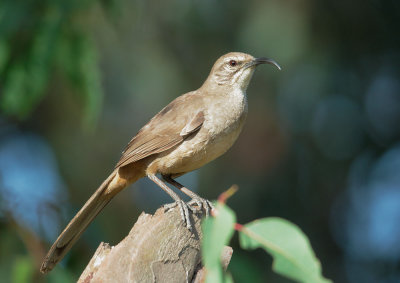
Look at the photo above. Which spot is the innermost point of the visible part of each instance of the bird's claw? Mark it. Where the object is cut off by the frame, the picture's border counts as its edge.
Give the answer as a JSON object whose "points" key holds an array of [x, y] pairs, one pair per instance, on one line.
{"points": [[197, 204], [169, 206], [184, 210]]}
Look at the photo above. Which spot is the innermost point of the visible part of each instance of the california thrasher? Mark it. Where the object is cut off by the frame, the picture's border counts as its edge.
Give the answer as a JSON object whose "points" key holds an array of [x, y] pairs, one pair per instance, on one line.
{"points": [[191, 131]]}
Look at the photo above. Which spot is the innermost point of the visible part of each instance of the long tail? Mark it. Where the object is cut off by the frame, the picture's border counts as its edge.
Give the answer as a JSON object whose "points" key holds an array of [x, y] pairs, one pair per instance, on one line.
{"points": [[82, 219]]}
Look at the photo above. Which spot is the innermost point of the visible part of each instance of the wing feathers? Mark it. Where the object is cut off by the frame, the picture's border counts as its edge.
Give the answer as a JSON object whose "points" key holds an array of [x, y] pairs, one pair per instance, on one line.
{"points": [[193, 125], [170, 127]]}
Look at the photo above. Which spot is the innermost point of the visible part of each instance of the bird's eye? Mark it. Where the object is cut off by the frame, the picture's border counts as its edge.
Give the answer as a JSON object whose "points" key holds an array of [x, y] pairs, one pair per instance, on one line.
{"points": [[232, 63]]}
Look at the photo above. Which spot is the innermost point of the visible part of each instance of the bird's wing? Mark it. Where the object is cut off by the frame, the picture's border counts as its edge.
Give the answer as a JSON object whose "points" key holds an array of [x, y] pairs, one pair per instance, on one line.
{"points": [[170, 127], [194, 125]]}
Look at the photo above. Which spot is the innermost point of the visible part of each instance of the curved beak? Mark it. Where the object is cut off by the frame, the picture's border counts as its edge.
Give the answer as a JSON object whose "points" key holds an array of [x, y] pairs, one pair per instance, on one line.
{"points": [[263, 60]]}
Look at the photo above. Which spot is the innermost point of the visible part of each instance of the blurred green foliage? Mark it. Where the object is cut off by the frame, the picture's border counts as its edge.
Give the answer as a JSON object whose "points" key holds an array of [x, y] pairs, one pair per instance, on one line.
{"points": [[23, 270], [39, 39], [18, 266], [243, 268]]}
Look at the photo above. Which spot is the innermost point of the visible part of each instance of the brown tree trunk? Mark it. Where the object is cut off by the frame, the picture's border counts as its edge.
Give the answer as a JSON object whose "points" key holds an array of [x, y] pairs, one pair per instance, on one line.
{"points": [[159, 248]]}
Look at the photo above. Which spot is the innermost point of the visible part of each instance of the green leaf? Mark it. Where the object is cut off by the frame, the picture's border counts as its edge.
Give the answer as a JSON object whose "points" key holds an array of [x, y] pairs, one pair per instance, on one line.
{"points": [[217, 232], [288, 245]]}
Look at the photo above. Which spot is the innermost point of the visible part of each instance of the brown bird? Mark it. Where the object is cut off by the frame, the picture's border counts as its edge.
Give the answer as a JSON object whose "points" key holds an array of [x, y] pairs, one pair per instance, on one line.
{"points": [[189, 132]]}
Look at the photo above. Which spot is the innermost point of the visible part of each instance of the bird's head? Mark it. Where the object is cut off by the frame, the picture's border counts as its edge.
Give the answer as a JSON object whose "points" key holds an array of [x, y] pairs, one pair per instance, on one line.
{"points": [[235, 69]]}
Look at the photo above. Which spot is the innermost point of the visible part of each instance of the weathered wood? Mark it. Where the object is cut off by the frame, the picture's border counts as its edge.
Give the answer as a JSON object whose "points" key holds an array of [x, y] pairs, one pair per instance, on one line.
{"points": [[159, 248]]}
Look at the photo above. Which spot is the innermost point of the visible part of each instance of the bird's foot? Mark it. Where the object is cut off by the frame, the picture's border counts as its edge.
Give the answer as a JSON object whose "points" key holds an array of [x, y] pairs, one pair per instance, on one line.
{"points": [[184, 210], [198, 203]]}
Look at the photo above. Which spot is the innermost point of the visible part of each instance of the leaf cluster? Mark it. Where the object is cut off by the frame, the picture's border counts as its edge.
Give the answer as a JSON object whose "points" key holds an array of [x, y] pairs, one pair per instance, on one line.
{"points": [[289, 247]]}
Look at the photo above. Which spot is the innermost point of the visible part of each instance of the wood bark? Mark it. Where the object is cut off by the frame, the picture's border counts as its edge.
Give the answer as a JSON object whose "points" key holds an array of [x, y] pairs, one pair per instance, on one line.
{"points": [[159, 248]]}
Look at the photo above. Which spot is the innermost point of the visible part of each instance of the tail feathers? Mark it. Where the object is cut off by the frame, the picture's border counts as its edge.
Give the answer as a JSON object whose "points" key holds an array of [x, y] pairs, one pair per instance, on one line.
{"points": [[78, 225]]}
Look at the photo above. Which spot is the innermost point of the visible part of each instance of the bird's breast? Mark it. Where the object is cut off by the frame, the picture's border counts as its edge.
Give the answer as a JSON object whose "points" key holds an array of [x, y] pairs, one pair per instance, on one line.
{"points": [[224, 119], [226, 113]]}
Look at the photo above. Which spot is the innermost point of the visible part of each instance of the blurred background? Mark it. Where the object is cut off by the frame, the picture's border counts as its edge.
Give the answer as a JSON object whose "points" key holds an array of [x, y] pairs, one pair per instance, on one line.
{"points": [[321, 146]]}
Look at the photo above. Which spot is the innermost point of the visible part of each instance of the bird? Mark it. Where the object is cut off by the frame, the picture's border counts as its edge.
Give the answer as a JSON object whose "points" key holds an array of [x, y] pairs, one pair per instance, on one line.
{"points": [[192, 130]]}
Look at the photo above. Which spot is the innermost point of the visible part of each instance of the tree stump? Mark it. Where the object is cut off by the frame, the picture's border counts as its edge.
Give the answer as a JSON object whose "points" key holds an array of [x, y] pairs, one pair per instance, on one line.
{"points": [[159, 248]]}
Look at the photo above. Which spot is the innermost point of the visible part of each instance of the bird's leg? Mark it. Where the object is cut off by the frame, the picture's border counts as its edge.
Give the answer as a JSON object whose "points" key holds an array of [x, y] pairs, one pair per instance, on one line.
{"points": [[178, 201], [196, 199]]}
